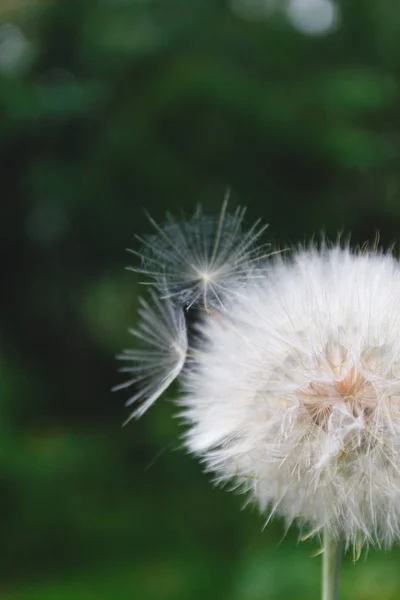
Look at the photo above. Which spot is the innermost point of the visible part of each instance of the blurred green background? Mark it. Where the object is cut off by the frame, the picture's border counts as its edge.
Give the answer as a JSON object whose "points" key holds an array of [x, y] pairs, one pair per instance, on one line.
{"points": [[109, 106]]}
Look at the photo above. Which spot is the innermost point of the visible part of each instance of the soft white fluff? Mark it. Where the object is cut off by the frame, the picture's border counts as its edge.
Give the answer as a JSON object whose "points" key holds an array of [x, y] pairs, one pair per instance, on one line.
{"points": [[291, 382], [160, 355], [197, 261], [294, 393]]}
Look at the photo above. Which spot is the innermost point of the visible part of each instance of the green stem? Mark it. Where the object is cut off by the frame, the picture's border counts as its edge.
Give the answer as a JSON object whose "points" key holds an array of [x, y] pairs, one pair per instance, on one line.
{"points": [[332, 558]]}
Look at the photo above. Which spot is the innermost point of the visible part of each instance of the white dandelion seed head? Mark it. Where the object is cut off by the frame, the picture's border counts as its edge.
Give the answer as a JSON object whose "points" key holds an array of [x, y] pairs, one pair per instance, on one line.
{"points": [[291, 379], [161, 353], [198, 262], [293, 393]]}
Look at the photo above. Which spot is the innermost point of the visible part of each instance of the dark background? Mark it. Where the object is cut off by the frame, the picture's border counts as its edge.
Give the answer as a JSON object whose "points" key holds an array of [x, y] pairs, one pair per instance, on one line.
{"points": [[109, 106]]}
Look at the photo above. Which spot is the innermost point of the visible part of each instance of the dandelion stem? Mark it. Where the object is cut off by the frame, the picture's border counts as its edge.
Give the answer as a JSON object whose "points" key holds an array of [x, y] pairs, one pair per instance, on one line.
{"points": [[331, 562]]}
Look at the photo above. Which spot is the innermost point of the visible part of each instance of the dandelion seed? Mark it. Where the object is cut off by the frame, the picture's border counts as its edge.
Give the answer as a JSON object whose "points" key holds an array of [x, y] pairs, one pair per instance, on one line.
{"points": [[159, 360], [199, 261]]}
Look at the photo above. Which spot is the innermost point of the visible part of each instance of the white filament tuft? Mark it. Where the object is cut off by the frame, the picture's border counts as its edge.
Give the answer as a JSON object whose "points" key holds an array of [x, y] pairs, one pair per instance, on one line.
{"points": [[292, 390], [160, 359], [199, 262], [294, 394]]}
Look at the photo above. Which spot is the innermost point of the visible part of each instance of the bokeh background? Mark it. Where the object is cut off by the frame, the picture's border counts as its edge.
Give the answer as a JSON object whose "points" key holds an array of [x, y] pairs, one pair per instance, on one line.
{"points": [[109, 106]]}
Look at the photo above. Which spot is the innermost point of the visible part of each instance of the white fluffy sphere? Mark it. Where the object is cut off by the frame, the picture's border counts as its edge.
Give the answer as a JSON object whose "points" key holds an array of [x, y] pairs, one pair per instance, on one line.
{"points": [[291, 376], [293, 392]]}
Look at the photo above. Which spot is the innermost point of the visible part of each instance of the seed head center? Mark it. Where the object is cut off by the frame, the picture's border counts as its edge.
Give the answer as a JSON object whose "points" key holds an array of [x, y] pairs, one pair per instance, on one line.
{"points": [[351, 389]]}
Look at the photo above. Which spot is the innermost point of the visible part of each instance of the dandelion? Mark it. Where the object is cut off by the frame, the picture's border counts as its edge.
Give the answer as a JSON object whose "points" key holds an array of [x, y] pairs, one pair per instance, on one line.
{"points": [[295, 394], [291, 390], [196, 262]]}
